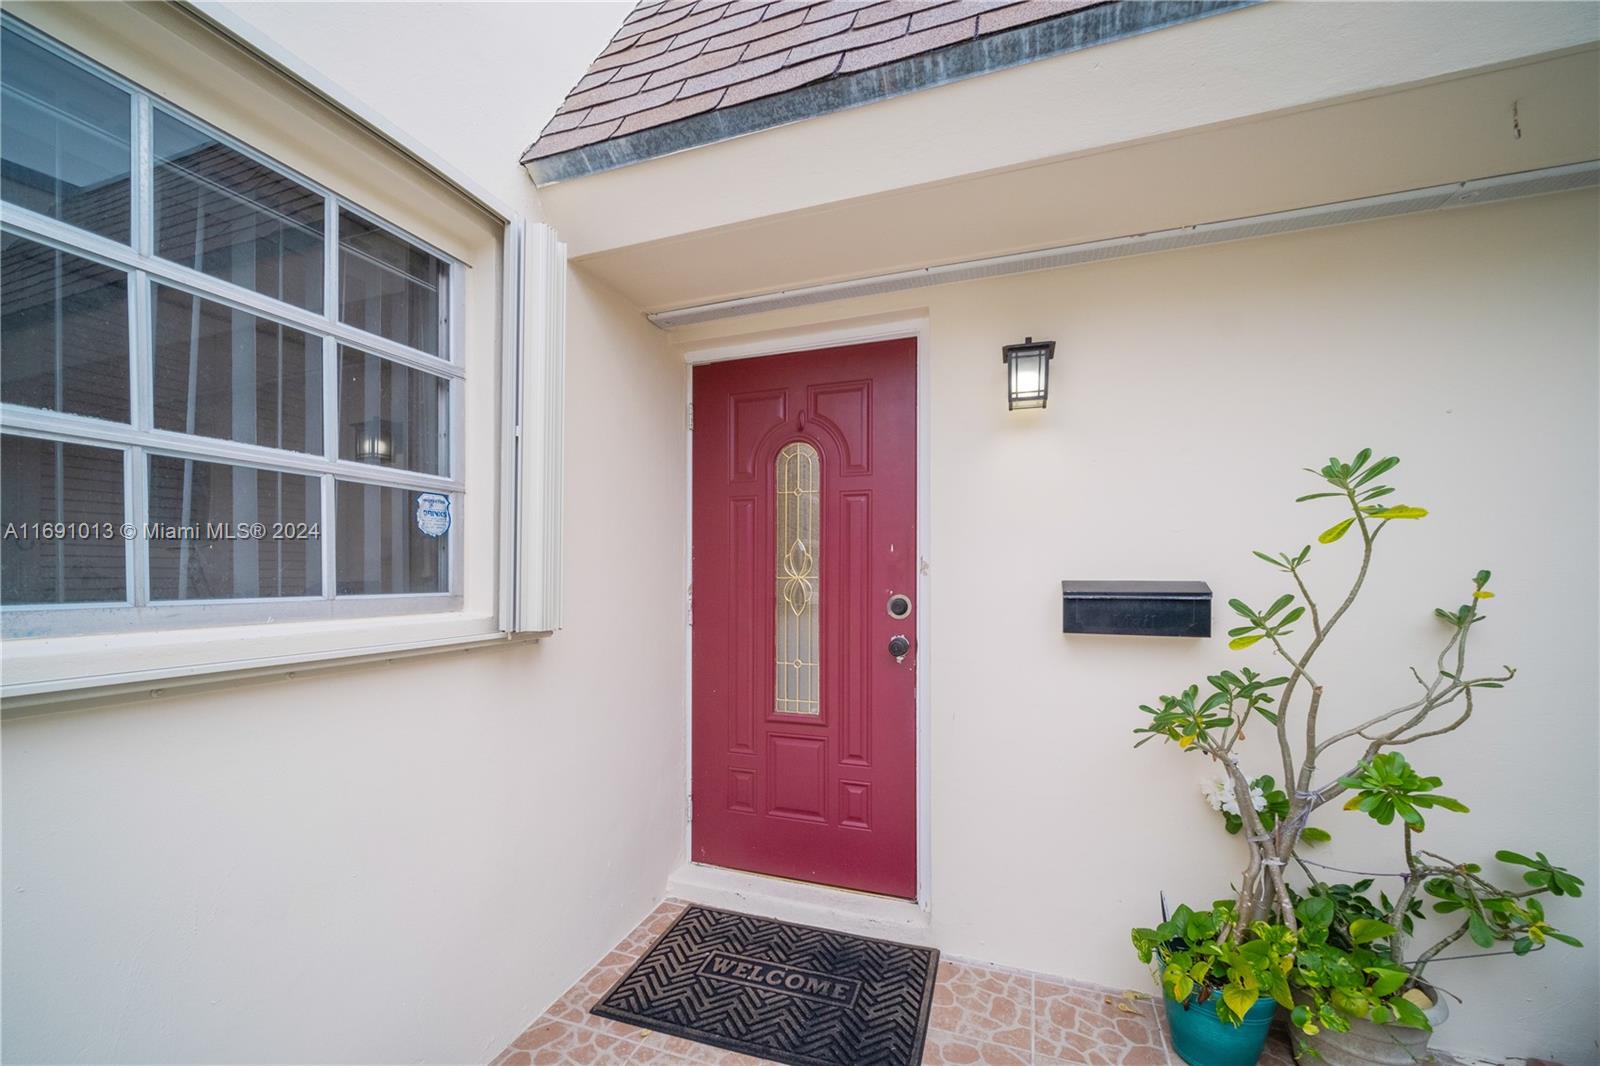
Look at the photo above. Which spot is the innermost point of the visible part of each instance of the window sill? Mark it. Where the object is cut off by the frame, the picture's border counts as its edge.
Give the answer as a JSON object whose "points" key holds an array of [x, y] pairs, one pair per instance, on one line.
{"points": [[50, 674]]}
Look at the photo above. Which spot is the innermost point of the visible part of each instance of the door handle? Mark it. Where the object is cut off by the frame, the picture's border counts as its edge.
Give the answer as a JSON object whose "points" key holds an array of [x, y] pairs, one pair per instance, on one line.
{"points": [[898, 647]]}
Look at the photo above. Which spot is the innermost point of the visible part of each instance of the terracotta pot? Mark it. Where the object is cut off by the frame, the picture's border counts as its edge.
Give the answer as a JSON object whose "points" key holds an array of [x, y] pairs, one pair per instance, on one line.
{"points": [[1367, 1044]]}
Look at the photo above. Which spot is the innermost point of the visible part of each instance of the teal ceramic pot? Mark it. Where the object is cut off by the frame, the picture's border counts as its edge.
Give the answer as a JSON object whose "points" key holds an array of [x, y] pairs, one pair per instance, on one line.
{"points": [[1203, 1039]]}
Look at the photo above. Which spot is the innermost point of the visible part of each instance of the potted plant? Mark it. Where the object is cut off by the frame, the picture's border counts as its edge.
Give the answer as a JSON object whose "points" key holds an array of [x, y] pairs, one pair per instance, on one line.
{"points": [[1354, 952], [1221, 991], [1349, 973]]}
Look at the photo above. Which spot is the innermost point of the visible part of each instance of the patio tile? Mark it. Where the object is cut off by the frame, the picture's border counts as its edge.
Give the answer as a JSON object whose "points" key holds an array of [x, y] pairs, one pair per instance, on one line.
{"points": [[1087, 1025], [981, 1016], [645, 1056], [947, 1049], [553, 1043], [656, 923], [982, 1004], [573, 1007], [659, 1047]]}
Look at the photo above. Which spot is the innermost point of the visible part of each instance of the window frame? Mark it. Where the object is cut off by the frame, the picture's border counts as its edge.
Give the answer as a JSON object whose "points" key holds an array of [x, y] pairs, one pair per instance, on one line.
{"points": [[138, 438], [513, 588]]}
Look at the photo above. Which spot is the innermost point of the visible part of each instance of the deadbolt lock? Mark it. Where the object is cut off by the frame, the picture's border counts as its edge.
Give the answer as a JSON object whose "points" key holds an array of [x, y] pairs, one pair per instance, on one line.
{"points": [[898, 647]]}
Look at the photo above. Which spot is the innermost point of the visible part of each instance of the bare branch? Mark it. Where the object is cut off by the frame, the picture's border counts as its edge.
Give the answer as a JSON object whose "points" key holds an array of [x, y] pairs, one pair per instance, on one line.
{"points": [[1311, 604]]}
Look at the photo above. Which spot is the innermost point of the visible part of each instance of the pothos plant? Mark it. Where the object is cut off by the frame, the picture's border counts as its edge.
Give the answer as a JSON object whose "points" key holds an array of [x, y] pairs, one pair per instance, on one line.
{"points": [[1195, 960], [1348, 952]]}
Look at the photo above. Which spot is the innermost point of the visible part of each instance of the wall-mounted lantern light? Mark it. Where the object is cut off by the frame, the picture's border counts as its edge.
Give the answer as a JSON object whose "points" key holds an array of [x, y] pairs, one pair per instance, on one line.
{"points": [[1028, 372], [375, 441]]}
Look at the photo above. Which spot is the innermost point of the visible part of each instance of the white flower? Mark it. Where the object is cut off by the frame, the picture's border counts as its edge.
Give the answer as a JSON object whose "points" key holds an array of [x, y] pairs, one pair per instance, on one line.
{"points": [[1219, 794]]}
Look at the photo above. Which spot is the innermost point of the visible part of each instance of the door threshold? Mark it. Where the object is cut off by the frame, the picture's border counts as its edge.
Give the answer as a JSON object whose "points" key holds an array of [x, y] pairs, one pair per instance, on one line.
{"points": [[845, 910]]}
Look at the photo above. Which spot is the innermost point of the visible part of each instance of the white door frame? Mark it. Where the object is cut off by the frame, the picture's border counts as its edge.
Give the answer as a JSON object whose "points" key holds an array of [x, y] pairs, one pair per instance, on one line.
{"points": [[804, 339]]}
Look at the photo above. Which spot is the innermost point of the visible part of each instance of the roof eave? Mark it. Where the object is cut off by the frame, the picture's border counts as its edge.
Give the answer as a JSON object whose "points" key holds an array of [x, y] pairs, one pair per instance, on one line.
{"points": [[1074, 31]]}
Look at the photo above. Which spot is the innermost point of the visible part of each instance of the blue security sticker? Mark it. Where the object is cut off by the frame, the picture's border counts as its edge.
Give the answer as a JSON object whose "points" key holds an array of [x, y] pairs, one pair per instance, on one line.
{"points": [[433, 513]]}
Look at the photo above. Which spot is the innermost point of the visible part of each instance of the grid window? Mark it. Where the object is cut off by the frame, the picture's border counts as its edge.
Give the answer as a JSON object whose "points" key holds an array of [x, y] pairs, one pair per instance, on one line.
{"points": [[382, 550], [65, 139], [391, 415], [223, 372], [213, 510], [389, 287], [63, 522], [226, 214], [250, 399], [66, 331]]}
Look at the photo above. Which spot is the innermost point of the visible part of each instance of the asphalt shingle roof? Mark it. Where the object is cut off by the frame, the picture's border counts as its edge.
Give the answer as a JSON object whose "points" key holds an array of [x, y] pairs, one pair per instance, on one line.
{"points": [[674, 59]]}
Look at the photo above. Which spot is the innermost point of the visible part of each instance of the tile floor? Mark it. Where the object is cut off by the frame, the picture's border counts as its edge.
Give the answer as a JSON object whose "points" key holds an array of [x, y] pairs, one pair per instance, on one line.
{"points": [[981, 1016]]}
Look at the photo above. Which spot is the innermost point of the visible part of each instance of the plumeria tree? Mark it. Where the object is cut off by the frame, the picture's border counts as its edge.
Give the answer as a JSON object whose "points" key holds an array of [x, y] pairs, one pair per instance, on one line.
{"points": [[1364, 764]]}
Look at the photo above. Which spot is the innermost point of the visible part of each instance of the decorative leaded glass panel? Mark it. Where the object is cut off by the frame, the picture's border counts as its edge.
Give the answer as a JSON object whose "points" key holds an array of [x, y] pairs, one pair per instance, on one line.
{"points": [[799, 488]]}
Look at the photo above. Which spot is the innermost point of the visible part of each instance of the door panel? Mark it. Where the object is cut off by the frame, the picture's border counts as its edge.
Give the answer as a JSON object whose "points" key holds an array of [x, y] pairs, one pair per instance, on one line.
{"points": [[804, 724]]}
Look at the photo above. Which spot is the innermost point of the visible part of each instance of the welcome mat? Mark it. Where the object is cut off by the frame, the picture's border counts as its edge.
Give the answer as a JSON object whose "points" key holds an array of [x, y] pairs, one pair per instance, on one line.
{"points": [[790, 993]]}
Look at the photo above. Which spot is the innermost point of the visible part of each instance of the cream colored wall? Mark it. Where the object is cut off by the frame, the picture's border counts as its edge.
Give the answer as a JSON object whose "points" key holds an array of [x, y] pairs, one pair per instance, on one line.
{"points": [[1188, 390], [383, 864]]}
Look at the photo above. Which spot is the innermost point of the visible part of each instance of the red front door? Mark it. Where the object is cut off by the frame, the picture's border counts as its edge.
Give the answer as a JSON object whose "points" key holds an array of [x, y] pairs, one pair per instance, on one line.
{"points": [[805, 521]]}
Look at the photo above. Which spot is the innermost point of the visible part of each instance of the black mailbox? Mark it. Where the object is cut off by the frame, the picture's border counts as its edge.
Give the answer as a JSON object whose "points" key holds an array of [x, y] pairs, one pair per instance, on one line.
{"points": [[1137, 608]]}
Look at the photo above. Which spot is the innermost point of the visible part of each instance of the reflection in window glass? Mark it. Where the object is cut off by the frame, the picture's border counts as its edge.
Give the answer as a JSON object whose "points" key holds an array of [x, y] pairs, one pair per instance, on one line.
{"points": [[61, 511], [220, 372], [63, 331], [381, 548], [388, 286], [232, 532], [391, 415], [799, 487], [64, 139], [227, 215]]}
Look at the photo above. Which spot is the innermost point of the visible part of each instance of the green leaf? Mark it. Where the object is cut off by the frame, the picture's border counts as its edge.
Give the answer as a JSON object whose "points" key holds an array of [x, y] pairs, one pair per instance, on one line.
{"points": [[1242, 609], [1240, 1000], [1409, 1014], [1279, 604], [1399, 510], [1377, 470], [1366, 930], [1312, 835], [1479, 930], [1316, 911], [1387, 980], [1269, 560], [1240, 643], [1317, 496], [1333, 533]]}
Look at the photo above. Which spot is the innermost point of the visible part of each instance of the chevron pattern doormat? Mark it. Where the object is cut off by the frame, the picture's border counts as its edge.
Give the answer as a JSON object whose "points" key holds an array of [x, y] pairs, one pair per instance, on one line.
{"points": [[790, 993]]}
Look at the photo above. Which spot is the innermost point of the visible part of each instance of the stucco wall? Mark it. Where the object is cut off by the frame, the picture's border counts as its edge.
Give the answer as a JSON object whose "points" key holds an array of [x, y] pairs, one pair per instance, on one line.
{"points": [[384, 864], [1188, 390]]}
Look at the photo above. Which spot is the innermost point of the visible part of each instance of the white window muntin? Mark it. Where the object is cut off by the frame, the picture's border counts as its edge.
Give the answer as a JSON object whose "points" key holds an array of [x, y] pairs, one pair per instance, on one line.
{"points": [[138, 439]]}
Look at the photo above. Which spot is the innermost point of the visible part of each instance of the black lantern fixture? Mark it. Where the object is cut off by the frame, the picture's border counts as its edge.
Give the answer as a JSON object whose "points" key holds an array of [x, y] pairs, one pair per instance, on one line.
{"points": [[375, 441], [1028, 372]]}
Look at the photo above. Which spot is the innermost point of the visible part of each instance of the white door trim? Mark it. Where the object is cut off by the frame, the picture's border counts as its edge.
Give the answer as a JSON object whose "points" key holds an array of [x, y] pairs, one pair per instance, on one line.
{"points": [[804, 339]]}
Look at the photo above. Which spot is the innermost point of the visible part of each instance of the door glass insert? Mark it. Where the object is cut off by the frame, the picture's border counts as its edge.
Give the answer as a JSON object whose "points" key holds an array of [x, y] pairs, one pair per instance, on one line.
{"points": [[799, 490]]}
